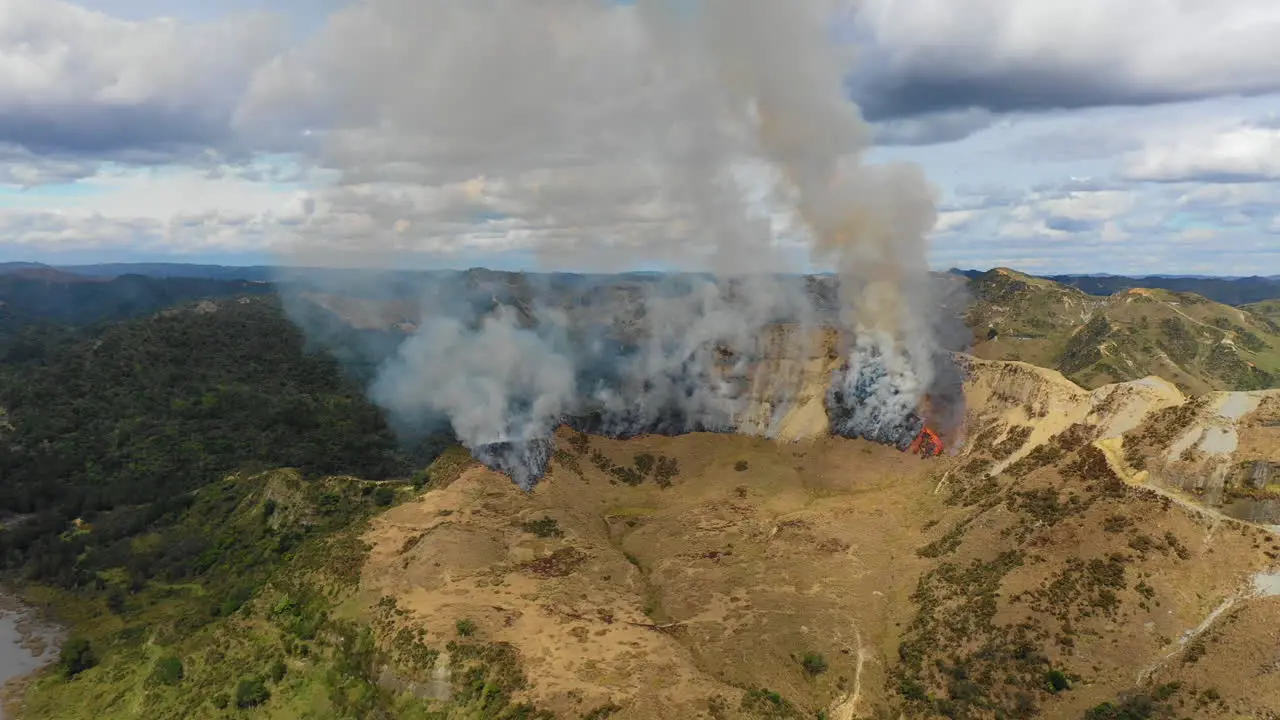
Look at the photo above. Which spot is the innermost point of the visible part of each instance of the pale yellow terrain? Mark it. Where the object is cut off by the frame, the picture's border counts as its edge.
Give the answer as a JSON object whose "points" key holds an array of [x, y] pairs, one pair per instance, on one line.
{"points": [[673, 602]]}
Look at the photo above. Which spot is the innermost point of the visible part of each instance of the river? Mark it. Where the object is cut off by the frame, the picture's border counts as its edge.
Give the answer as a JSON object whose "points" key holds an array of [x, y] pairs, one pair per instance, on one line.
{"points": [[26, 644]]}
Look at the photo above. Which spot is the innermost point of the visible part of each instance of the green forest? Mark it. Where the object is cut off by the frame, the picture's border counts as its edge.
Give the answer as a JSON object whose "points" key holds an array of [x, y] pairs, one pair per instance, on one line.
{"points": [[118, 431], [170, 477]]}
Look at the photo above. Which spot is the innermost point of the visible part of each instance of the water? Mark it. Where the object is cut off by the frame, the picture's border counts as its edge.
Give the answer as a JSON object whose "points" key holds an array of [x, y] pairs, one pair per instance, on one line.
{"points": [[26, 644]]}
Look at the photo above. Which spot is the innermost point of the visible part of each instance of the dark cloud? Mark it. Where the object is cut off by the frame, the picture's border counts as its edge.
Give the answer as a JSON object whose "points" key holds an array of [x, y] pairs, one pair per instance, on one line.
{"points": [[925, 58], [19, 166], [98, 130], [941, 90], [933, 128], [1071, 225]]}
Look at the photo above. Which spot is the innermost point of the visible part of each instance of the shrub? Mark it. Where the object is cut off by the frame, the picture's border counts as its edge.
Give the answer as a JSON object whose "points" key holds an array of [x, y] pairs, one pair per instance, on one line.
{"points": [[813, 663], [168, 670], [278, 670], [1056, 681], [466, 627], [251, 692], [384, 496], [76, 657], [644, 463], [602, 712], [741, 466], [546, 527], [221, 700]]}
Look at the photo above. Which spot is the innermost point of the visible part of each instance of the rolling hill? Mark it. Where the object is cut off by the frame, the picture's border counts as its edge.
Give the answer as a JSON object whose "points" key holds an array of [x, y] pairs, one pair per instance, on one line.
{"points": [[1106, 551], [1269, 309], [1229, 291], [1037, 572], [1194, 342], [31, 295]]}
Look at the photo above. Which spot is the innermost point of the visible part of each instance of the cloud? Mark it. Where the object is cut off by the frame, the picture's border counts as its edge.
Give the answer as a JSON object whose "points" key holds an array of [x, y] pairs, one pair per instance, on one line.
{"points": [[954, 220], [77, 83], [23, 168], [1194, 235], [1242, 153], [1087, 207], [935, 127], [929, 56], [601, 135]]}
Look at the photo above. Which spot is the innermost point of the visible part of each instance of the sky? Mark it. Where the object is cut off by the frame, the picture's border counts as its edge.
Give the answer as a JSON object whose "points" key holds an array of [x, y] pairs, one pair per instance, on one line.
{"points": [[1057, 136]]}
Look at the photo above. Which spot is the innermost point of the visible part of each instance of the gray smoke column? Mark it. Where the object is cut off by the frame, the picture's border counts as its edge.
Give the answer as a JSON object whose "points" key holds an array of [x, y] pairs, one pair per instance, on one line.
{"points": [[711, 136]]}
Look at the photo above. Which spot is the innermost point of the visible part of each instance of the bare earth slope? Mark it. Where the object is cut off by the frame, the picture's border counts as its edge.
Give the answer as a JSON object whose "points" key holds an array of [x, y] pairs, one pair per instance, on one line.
{"points": [[719, 576]]}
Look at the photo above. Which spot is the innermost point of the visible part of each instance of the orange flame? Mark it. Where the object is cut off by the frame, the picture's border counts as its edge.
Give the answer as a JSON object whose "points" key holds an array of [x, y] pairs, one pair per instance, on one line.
{"points": [[927, 443]]}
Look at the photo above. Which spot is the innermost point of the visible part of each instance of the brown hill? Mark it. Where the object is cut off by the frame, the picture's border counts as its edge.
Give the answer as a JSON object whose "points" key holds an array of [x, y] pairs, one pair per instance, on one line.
{"points": [[1036, 570]]}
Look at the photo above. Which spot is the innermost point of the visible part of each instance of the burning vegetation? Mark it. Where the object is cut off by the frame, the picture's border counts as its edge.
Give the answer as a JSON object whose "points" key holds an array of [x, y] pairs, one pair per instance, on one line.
{"points": [[872, 397], [927, 443]]}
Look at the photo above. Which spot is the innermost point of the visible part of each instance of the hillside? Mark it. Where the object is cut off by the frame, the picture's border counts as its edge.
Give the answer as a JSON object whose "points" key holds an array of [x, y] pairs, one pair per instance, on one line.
{"points": [[228, 527], [118, 429], [1197, 344], [33, 296], [1269, 309], [1036, 571], [1228, 291]]}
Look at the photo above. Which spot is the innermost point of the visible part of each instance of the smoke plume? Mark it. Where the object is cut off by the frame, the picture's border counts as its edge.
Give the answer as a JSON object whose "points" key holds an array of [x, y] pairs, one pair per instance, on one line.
{"points": [[710, 136]]}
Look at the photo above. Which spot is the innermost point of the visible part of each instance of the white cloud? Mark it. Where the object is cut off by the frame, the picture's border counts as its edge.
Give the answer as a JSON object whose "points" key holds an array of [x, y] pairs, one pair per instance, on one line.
{"points": [[75, 81], [1100, 51], [1244, 152], [1112, 233], [161, 194], [1029, 229], [1230, 195], [1089, 206], [953, 220], [579, 143], [1195, 235]]}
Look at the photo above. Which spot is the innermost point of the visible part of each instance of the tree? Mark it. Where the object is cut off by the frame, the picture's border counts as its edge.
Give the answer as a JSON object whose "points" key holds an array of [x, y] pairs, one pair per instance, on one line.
{"points": [[76, 657], [251, 692], [168, 670]]}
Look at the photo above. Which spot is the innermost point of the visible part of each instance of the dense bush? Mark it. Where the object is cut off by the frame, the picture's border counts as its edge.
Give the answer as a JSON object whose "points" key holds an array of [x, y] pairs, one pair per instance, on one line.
{"points": [[251, 692], [76, 656], [168, 670], [111, 435]]}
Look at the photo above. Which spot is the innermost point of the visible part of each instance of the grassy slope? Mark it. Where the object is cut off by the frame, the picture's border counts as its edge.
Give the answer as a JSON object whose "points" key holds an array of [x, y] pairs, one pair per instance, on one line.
{"points": [[1269, 309], [1198, 344], [967, 595], [1032, 317], [295, 632]]}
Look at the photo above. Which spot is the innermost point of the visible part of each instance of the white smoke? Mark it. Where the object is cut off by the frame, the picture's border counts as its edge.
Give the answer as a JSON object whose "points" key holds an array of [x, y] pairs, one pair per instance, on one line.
{"points": [[496, 383], [705, 135]]}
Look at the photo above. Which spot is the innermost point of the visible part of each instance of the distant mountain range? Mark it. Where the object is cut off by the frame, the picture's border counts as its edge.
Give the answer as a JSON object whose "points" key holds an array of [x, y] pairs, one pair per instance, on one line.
{"points": [[33, 294], [1227, 290]]}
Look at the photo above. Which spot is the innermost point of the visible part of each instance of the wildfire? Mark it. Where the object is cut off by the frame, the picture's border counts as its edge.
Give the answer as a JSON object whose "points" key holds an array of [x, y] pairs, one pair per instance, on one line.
{"points": [[927, 443]]}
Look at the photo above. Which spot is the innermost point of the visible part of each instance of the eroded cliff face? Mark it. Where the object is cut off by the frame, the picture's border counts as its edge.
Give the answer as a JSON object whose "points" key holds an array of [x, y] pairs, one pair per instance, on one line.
{"points": [[1222, 449], [787, 382]]}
